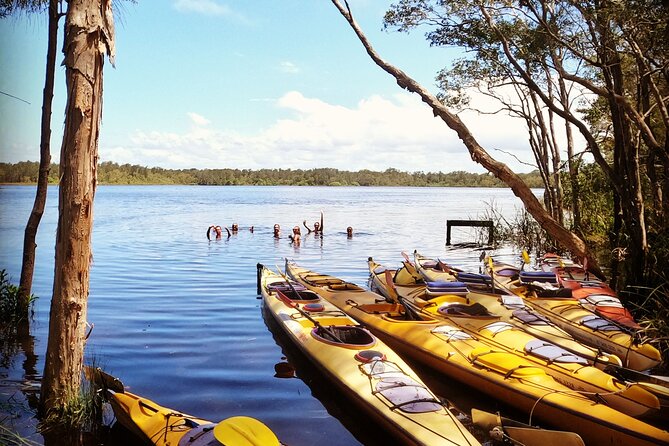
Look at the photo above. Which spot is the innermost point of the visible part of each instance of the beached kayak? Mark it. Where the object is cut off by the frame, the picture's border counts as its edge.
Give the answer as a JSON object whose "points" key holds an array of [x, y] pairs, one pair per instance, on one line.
{"points": [[163, 426], [368, 371], [462, 357], [480, 316], [573, 317]]}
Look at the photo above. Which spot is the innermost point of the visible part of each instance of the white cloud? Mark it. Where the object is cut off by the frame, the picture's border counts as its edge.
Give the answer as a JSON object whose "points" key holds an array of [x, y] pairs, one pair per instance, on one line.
{"points": [[206, 7], [289, 67], [376, 133], [198, 119]]}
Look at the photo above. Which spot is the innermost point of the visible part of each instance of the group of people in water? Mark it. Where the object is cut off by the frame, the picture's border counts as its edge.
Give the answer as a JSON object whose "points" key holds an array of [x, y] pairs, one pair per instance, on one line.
{"points": [[295, 237]]}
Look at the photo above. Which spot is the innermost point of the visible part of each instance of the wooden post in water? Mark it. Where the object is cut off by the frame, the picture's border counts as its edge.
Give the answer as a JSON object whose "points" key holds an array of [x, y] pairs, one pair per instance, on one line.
{"points": [[479, 223]]}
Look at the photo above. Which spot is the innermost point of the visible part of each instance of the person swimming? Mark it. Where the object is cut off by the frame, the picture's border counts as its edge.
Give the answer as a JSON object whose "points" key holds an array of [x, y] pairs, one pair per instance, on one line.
{"points": [[318, 227], [217, 229], [277, 231]]}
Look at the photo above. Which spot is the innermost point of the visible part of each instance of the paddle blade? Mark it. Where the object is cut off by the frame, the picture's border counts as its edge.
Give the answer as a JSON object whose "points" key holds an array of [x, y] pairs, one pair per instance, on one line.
{"points": [[485, 420], [391, 285], [244, 431], [542, 437], [285, 299], [526, 257]]}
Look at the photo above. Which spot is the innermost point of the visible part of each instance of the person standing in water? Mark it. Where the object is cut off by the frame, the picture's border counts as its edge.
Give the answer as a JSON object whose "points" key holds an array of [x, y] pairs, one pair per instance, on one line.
{"points": [[296, 236]]}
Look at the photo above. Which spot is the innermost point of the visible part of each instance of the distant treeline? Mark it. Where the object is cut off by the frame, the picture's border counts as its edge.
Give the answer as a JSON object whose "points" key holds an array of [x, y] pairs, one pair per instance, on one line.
{"points": [[112, 173]]}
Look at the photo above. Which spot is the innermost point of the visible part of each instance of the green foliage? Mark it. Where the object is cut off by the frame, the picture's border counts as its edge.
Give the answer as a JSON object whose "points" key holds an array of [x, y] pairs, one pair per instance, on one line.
{"points": [[652, 312], [596, 200], [112, 173], [83, 413], [10, 311], [522, 231], [25, 172], [11, 316]]}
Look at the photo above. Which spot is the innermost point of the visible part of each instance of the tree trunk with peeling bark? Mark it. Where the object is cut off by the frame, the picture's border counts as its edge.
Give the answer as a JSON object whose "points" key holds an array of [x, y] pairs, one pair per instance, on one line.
{"points": [[89, 34], [30, 234], [478, 154]]}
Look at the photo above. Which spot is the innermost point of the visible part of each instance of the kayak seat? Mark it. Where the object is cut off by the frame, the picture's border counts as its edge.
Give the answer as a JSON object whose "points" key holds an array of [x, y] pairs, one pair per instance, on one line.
{"points": [[474, 278], [436, 288], [474, 310], [552, 352], [559, 293], [538, 276]]}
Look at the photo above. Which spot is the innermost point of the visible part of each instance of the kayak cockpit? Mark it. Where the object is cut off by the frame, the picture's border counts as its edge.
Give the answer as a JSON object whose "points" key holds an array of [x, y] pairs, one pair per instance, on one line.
{"points": [[348, 336]]}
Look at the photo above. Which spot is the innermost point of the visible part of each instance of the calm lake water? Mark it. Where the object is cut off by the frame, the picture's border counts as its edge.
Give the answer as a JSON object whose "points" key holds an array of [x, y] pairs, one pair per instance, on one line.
{"points": [[177, 317]]}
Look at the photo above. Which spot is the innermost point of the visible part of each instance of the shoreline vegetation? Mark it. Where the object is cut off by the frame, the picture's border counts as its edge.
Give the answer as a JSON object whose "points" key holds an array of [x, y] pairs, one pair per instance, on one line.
{"points": [[26, 172]]}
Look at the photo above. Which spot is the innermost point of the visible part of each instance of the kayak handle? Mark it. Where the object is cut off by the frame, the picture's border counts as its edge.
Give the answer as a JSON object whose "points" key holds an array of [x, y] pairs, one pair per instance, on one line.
{"points": [[146, 406]]}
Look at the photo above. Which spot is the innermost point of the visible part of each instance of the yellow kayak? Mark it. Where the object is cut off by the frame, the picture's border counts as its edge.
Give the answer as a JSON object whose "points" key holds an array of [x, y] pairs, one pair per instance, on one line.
{"points": [[163, 426], [568, 314], [362, 366], [567, 368], [502, 375]]}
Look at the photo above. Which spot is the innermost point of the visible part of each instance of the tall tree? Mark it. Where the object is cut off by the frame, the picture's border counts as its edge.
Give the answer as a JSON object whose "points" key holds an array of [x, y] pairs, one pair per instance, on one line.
{"points": [[30, 234], [89, 34], [562, 235]]}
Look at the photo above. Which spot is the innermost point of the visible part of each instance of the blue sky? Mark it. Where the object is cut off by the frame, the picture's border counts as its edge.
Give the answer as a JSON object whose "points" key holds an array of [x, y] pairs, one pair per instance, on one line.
{"points": [[250, 84]]}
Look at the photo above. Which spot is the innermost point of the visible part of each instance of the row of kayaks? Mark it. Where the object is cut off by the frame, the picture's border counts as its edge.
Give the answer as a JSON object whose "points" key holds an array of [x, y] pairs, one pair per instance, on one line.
{"points": [[503, 347], [514, 336]]}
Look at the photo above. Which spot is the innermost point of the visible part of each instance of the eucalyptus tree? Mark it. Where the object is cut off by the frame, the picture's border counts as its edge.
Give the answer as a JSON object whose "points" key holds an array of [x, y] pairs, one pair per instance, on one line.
{"points": [[612, 53], [477, 152], [54, 10], [89, 35]]}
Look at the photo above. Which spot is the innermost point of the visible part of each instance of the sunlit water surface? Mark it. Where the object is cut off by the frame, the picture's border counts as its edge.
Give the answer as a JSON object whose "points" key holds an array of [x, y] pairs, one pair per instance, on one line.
{"points": [[176, 316]]}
